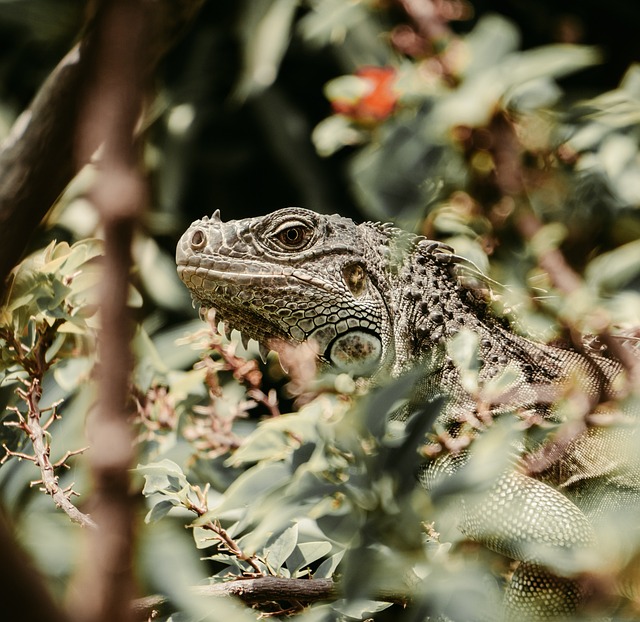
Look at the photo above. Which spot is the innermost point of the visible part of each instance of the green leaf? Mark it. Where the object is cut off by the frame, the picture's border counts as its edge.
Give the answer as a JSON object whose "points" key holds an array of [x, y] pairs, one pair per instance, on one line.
{"points": [[277, 552], [273, 438], [359, 608], [305, 553], [160, 510], [161, 477], [253, 485], [326, 569]]}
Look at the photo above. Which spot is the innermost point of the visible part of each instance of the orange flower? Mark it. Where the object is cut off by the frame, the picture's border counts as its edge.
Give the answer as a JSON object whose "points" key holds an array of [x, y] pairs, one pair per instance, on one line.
{"points": [[377, 101]]}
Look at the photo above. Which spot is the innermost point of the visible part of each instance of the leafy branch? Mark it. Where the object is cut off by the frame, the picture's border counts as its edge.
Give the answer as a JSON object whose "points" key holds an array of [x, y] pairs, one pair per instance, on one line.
{"points": [[226, 542], [35, 361], [167, 480]]}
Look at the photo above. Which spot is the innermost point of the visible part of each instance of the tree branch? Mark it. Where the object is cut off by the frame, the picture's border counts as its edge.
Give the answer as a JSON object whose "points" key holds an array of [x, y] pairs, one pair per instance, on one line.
{"points": [[36, 160], [111, 110], [41, 449], [39, 157], [264, 590]]}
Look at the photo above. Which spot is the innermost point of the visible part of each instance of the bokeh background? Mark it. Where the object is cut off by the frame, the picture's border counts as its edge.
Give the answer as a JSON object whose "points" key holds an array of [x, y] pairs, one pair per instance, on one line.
{"points": [[509, 129]]}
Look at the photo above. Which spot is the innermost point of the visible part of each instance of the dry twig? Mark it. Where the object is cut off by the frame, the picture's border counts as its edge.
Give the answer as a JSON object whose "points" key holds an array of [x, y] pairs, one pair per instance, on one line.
{"points": [[33, 360], [37, 433], [225, 540]]}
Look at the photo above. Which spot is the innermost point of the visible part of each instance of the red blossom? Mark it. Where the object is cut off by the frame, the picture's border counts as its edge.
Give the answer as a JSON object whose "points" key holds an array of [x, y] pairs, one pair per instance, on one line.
{"points": [[377, 103]]}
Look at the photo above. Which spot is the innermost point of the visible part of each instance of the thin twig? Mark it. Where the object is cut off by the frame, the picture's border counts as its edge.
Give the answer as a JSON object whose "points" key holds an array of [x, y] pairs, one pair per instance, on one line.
{"points": [[222, 535], [41, 448]]}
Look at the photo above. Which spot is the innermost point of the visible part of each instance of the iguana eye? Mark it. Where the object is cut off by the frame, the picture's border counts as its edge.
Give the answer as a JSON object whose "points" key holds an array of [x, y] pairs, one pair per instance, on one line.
{"points": [[294, 237]]}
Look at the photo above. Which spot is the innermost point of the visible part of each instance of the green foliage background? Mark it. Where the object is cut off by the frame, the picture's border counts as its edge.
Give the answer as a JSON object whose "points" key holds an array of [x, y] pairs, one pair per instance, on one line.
{"points": [[496, 118]]}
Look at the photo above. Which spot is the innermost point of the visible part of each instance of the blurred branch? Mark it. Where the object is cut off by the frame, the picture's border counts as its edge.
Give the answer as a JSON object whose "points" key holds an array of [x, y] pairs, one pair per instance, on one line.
{"points": [[21, 586], [36, 160], [111, 109], [566, 280], [510, 180], [39, 157]]}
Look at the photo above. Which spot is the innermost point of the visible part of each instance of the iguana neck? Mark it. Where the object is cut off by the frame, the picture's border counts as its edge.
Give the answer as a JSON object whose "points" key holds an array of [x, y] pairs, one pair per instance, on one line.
{"points": [[432, 305]]}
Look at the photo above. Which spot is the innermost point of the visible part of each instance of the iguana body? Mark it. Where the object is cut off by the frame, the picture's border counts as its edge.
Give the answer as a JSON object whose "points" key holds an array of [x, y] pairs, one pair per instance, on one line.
{"points": [[373, 299]]}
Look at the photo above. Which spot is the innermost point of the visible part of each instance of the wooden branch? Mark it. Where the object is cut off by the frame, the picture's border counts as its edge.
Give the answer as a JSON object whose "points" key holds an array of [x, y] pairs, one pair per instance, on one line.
{"points": [[36, 160], [112, 108], [34, 362], [567, 281], [264, 590], [37, 435], [23, 593]]}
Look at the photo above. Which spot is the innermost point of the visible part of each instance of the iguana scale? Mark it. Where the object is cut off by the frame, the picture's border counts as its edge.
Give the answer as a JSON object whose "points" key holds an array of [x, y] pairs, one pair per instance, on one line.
{"points": [[373, 299]]}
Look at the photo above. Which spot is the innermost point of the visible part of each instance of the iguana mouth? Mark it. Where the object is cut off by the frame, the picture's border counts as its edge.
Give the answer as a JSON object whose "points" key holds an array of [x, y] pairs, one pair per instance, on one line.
{"points": [[211, 272], [215, 292]]}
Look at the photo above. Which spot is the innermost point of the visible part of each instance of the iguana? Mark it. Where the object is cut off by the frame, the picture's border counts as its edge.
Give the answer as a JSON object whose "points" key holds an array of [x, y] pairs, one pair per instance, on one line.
{"points": [[374, 299]]}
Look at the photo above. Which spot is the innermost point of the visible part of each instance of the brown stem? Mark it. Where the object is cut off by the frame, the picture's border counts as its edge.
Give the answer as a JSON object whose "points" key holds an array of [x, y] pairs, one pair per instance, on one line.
{"points": [[41, 450], [247, 372], [112, 107], [222, 534]]}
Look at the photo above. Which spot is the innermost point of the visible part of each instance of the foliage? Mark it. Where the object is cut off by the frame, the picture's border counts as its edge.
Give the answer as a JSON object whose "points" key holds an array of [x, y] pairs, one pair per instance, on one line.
{"points": [[461, 137]]}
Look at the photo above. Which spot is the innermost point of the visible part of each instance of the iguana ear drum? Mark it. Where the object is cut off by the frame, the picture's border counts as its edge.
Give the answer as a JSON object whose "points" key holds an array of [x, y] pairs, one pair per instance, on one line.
{"points": [[357, 352]]}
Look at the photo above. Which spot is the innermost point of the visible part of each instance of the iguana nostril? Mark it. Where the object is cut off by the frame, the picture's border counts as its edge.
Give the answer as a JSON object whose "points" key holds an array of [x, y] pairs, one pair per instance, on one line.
{"points": [[198, 239]]}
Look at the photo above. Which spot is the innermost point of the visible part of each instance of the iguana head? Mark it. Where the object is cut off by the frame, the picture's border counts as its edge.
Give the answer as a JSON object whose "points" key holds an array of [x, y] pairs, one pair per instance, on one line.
{"points": [[296, 276]]}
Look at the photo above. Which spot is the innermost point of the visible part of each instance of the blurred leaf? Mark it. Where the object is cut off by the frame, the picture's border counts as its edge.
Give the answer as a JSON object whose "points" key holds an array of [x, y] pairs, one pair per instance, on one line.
{"points": [[158, 275], [330, 20], [265, 31], [463, 348], [613, 270], [335, 132]]}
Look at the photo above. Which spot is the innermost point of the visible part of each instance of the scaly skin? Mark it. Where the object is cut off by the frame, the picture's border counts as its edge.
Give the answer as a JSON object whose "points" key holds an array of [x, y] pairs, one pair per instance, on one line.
{"points": [[375, 300]]}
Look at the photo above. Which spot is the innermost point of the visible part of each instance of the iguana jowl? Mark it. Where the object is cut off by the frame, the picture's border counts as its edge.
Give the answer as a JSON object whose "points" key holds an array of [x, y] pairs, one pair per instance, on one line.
{"points": [[373, 298]]}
